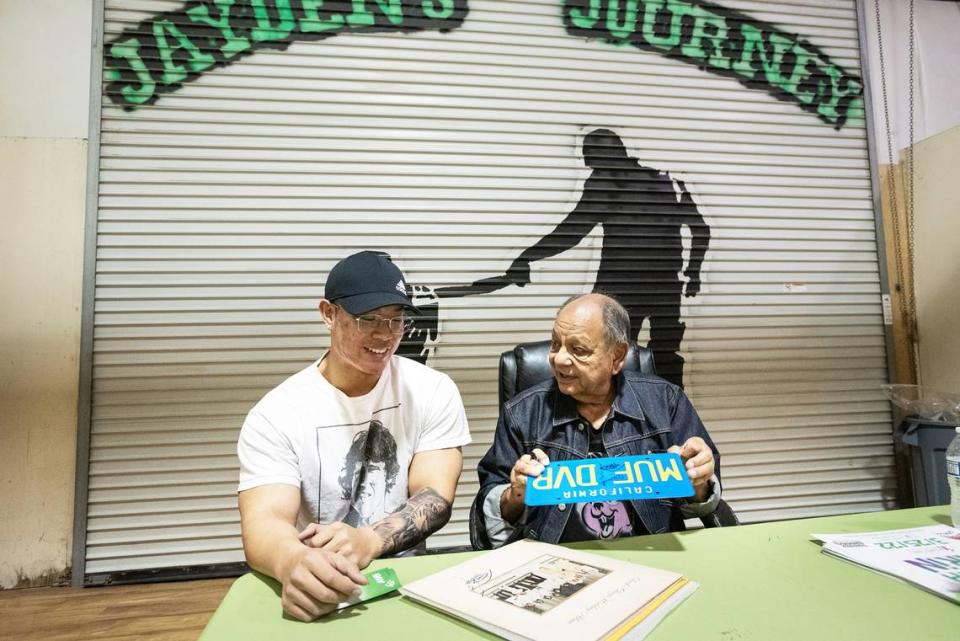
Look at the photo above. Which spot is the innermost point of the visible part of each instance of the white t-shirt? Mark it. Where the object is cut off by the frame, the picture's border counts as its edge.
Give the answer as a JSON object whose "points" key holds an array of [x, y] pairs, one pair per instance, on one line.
{"points": [[349, 455]]}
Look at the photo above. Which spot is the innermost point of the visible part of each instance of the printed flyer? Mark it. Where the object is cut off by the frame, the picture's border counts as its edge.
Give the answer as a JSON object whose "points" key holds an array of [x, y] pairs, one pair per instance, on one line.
{"points": [[928, 557]]}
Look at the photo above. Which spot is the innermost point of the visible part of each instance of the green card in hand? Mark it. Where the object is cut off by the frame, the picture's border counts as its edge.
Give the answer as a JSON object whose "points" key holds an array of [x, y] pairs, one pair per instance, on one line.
{"points": [[379, 582]]}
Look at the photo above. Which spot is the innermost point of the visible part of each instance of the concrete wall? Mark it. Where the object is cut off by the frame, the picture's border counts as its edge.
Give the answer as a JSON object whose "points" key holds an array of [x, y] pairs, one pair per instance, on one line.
{"points": [[937, 258], [44, 79]]}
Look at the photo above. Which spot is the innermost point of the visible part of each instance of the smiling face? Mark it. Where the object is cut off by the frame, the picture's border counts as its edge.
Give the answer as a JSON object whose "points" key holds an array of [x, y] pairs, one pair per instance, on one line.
{"points": [[357, 358], [582, 361]]}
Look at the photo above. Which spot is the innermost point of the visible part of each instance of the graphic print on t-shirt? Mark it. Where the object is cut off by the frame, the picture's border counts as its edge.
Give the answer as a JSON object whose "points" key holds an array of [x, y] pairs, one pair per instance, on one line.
{"points": [[369, 473], [598, 519], [605, 519]]}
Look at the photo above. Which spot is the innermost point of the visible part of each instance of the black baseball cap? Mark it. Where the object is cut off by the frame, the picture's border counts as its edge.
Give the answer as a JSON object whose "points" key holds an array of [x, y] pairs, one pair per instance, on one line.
{"points": [[365, 281]]}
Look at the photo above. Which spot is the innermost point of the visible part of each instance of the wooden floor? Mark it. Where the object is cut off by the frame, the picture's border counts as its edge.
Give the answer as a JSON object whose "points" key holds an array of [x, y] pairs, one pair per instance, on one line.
{"points": [[155, 612]]}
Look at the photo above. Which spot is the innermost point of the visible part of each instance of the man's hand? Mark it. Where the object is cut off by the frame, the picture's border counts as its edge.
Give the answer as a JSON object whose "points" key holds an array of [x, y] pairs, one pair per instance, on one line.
{"points": [[511, 501], [315, 581], [692, 287], [360, 545], [698, 459]]}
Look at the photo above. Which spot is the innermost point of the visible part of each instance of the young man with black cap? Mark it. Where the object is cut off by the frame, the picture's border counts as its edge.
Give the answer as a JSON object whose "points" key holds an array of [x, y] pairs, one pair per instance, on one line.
{"points": [[355, 457]]}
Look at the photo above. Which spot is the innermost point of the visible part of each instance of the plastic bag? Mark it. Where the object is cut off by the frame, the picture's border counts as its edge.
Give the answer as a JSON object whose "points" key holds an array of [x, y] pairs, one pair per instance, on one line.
{"points": [[930, 404]]}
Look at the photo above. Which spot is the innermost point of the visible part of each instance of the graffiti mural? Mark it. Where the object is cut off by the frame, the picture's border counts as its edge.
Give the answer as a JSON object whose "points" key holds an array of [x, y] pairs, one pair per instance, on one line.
{"points": [[420, 340], [165, 51], [724, 42], [642, 211]]}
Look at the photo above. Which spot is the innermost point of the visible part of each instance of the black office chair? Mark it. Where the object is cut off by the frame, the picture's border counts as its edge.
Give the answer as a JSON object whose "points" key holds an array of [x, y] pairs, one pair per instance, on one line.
{"points": [[526, 365]]}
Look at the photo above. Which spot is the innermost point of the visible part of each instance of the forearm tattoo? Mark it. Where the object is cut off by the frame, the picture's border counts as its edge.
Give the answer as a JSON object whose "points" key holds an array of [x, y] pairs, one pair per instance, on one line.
{"points": [[423, 514]]}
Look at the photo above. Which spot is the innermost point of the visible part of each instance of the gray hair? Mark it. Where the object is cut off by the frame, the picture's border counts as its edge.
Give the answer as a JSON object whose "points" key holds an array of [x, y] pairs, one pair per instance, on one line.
{"points": [[616, 320]]}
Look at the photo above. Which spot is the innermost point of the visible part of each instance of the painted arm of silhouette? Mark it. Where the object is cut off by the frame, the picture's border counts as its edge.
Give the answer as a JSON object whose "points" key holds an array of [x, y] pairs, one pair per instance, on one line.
{"points": [[564, 236], [570, 231], [432, 482], [699, 240]]}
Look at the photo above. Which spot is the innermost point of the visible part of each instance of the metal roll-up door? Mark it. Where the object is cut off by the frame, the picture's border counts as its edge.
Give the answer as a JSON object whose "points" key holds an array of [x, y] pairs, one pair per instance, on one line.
{"points": [[225, 198]]}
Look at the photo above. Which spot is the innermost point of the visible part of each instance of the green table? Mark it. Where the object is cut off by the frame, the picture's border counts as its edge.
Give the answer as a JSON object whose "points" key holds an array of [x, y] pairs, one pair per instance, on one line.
{"points": [[767, 582]]}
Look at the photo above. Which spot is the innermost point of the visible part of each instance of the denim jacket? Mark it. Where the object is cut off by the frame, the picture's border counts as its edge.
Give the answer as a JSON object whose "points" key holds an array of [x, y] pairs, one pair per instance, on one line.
{"points": [[649, 415]]}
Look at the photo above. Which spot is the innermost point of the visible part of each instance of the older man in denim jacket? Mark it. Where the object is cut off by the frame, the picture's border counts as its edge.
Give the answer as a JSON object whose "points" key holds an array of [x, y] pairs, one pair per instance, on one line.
{"points": [[593, 408]]}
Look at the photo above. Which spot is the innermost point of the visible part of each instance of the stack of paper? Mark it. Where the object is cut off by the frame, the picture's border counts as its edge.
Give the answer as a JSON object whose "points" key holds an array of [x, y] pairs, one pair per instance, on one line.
{"points": [[537, 591], [928, 557]]}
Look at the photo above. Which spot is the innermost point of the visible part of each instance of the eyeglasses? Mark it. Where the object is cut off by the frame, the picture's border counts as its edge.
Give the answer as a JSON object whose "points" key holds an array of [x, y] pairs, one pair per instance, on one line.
{"points": [[369, 323]]}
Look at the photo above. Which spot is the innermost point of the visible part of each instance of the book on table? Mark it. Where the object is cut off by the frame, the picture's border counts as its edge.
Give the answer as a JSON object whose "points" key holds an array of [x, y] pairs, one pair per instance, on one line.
{"points": [[928, 557], [538, 591]]}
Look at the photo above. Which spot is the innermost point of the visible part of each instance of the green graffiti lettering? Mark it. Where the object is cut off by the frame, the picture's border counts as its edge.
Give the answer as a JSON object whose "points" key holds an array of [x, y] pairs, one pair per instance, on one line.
{"points": [[129, 51], [204, 34], [266, 30], [173, 72], [363, 17], [852, 111], [393, 10], [709, 27], [772, 62], [755, 51], [587, 21], [796, 83], [651, 12], [726, 42], [438, 9], [621, 28], [313, 23], [234, 44], [751, 40], [839, 95]]}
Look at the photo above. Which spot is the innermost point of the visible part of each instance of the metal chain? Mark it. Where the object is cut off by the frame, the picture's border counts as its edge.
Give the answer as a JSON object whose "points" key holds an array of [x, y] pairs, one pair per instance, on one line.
{"points": [[907, 302], [912, 303]]}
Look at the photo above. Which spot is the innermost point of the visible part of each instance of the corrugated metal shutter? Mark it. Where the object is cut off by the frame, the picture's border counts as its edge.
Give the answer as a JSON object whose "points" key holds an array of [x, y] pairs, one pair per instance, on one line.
{"points": [[223, 205]]}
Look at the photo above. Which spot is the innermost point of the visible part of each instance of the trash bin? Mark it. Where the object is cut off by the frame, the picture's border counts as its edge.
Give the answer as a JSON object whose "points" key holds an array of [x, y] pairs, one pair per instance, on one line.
{"points": [[931, 424], [928, 458]]}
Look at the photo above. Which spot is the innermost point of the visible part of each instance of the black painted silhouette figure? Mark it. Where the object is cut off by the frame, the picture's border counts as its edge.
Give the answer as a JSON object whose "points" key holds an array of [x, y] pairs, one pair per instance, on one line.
{"points": [[420, 339], [641, 211]]}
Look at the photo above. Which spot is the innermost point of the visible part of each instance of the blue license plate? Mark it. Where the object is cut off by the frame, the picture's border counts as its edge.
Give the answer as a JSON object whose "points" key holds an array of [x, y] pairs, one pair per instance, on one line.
{"points": [[615, 478]]}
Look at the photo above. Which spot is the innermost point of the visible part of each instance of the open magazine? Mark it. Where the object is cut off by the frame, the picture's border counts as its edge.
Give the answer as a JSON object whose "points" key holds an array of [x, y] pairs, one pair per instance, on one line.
{"points": [[928, 557], [539, 591]]}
